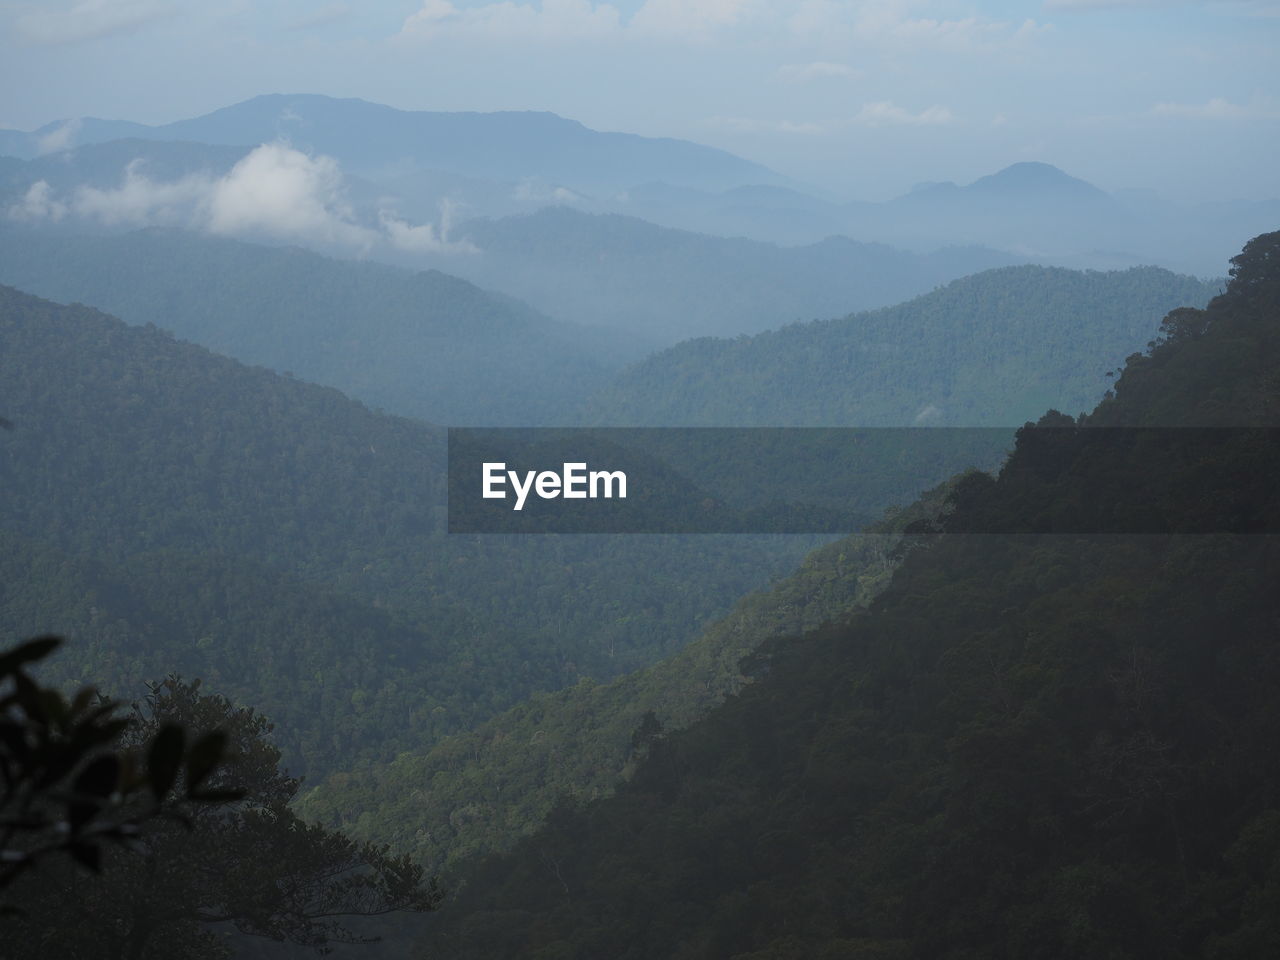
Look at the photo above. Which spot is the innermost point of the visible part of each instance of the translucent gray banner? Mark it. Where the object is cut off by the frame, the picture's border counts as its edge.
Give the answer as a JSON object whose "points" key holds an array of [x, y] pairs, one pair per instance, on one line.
{"points": [[837, 480]]}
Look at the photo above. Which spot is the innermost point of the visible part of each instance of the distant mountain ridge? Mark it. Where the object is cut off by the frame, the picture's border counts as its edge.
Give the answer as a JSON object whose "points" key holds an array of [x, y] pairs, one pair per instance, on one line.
{"points": [[1019, 182], [364, 136], [494, 165], [989, 349], [420, 344], [668, 284], [1034, 176], [1030, 209], [499, 164]]}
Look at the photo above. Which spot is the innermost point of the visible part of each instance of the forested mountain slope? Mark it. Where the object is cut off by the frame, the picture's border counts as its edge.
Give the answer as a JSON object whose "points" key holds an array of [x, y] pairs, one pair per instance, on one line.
{"points": [[418, 344], [324, 667], [493, 784], [223, 495], [1048, 746], [968, 354], [480, 791]]}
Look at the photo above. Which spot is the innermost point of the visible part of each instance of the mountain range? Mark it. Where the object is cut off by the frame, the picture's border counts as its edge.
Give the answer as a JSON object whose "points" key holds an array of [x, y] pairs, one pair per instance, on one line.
{"points": [[370, 138], [417, 343], [1034, 745], [975, 352], [442, 168]]}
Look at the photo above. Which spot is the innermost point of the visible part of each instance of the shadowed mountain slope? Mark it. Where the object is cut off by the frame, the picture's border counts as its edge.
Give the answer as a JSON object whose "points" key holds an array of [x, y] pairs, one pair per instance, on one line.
{"points": [[1027, 746]]}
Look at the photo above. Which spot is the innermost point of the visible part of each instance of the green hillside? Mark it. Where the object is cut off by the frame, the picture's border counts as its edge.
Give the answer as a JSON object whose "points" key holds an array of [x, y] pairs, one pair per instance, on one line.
{"points": [[480, 791], [419, 344], [1027, 746], [227, 500], [993, 349]]}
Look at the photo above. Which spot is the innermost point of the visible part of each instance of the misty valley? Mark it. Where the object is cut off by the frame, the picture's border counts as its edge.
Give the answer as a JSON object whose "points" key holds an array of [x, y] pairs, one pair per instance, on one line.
{"points": [[267, 691]]}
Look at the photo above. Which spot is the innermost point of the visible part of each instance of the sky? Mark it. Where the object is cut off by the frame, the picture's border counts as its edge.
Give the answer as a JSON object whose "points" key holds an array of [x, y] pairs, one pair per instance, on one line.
{"points": [[859, 98]]}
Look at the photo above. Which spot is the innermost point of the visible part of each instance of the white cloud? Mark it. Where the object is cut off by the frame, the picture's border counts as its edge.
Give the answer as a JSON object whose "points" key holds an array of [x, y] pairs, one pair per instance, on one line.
{"points": [[60, 137], [425, 238], [565, 20], [278, 190], [885, 113], [889, 25], [56, 23], [139, 200], [687, 19], [1244, 8], [1105, 4], [1214, 109], [38, 203], [876, 23], [537, 193], [274, 191], [970, 34], [549, 20], [819, 70]]}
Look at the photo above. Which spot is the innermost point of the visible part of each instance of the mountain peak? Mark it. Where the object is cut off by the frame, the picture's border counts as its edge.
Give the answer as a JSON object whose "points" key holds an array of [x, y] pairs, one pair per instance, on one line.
{"points": [[1034, 176]]}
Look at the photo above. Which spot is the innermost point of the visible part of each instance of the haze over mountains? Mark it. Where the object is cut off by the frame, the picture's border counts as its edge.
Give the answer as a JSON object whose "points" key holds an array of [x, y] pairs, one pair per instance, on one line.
{"points": [[392, 183], [625, 273], [419, 344], [229, 346], [370, 138]]}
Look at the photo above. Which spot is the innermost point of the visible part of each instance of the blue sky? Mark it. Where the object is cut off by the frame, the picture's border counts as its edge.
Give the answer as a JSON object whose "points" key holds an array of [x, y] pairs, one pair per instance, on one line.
{"points": [[863, 99]]}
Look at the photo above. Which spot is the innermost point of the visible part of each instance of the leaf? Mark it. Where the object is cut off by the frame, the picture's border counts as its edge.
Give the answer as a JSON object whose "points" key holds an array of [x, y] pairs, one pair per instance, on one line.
{"points": [[54, 708], [99, 778], [217, 796], [91, 788], [164, 759], [35, 649], [205, 755], [13, 739], [87, 855], [82, 701]]}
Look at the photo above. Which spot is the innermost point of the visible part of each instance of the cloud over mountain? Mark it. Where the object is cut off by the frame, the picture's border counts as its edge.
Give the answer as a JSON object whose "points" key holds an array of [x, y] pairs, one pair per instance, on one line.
{"points": [[274, 191]]}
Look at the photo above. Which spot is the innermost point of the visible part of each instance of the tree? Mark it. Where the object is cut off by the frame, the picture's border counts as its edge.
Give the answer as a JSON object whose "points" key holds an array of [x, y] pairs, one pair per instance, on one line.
{"points": [[64, 785], [249, 861]]}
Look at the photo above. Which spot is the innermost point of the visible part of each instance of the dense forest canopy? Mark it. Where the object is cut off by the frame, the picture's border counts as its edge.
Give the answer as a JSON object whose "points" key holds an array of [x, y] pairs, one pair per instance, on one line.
{"points": [[167, 814], [898, 745], [993, 349], [203, 516], [912, 325], [480, 791], [1027, 746], [418, 344], [290, 533]]}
